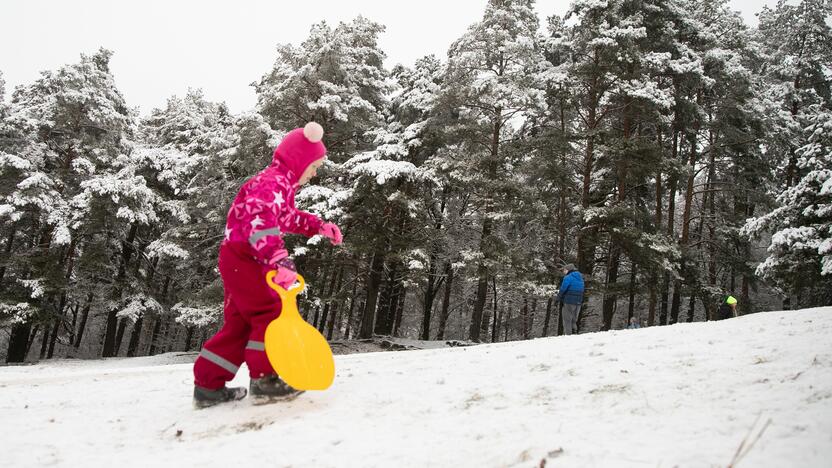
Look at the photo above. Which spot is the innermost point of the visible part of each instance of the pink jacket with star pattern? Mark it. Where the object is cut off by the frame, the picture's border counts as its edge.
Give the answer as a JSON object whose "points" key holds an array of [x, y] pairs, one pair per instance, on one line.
{"points": [[264, 209]]}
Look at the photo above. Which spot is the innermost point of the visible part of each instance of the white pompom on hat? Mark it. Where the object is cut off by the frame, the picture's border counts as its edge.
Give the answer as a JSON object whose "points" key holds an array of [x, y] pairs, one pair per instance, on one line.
{"points": [[313, 132]]}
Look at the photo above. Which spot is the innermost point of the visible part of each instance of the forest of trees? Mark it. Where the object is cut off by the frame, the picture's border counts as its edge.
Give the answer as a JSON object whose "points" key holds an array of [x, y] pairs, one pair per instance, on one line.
{"points": [[671, 152]]}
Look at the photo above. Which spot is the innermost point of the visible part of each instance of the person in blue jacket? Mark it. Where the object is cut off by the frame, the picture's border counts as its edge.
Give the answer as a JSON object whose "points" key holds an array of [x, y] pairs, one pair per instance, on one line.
{"points": [[571, 295]]}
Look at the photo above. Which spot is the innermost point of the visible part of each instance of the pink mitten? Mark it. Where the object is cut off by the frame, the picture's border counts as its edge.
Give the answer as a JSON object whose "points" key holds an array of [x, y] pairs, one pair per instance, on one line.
{"points": [[286, 271], [285, 277], [331, 232]]}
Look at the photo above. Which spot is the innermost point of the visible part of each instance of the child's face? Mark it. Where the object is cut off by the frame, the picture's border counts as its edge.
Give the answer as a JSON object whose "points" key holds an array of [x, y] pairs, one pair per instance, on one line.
{"points": [[310, 172]]}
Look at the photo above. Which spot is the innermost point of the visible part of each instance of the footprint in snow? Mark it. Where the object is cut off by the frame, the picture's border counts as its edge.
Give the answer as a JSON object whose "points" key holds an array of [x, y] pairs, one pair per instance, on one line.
{"points": [[540, 367]]}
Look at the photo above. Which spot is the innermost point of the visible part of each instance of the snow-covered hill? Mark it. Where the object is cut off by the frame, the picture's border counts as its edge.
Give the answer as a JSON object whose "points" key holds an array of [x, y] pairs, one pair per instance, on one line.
{"points": [[686, 395]]}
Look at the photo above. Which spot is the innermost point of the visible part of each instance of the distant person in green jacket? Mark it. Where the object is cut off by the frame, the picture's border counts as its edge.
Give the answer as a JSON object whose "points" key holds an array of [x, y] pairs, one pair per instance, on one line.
{"points": [[727, 309]]}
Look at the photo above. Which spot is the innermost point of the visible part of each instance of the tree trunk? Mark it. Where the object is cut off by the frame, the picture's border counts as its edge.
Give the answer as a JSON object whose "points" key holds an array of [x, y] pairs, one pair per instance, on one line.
{"points": [[653, 277], [53, 337], [122, 326], [401, 296], [189, 336], [69, 260], [328, 304], [691, 307], [562, 220], [352, 308], [498, 321], [507, 321], [676, 301], [671, 221], [133, 345], [686, 218], [745, 306], [711, 202], [374, 281], [386, 314], [495, 323], [486, 321], [632, 304], [334, 297], [31, 341], [665, 296], [586, 245], [581, 318], [82, 325], [610, 298], [434, 281], [653, 298], [525, 318], [165, 341], [486, 249], [19, 342], [110, 348], [482, 286], [73, 325], [745, 297], [610, 291], [446, 302], [531, 320], [44, 342], [337, 317], [431, 292], [154, 337], [316, 316], [548, 317]]}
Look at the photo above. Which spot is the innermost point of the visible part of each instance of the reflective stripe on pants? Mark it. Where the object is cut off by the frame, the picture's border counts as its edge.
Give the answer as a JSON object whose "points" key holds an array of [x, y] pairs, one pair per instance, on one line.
{"points": [[219, 360], [256, 345]]}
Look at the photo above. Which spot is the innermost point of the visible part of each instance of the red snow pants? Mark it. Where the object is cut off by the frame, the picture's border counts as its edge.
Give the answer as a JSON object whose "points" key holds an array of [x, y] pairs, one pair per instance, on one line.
{"points": [[250, 305]]}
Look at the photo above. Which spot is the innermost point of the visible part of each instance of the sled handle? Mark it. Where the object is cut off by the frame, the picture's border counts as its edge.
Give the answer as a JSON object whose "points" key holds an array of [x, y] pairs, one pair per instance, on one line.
{"points": [[293, 291]]}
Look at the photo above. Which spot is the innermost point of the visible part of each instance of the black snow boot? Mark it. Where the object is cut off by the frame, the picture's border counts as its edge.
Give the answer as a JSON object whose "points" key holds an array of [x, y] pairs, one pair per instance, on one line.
{"points": [[271, 388], [203, 397]]}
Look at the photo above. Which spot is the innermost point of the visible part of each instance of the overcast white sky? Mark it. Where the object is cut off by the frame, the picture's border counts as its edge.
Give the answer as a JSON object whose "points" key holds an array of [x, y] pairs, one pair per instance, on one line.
{"points": [[162, 47]]}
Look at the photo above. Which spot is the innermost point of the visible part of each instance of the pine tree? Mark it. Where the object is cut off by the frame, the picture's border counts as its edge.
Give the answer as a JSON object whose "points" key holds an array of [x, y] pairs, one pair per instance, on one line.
{"points": [[492, 81], [80, 127], [199, 156], [797, 43], [800, 255], [336, 78]]}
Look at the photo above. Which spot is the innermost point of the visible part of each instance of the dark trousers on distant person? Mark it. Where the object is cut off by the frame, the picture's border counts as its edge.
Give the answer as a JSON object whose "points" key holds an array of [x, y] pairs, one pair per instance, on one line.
{"points": [[570, 318]]}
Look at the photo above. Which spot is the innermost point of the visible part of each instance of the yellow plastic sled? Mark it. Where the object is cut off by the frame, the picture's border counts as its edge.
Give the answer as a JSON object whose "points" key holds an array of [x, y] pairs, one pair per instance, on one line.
{"points": [[297, 351]]}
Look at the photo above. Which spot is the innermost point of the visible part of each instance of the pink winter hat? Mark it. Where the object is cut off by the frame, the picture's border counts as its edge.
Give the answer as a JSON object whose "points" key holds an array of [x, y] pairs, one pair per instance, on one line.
{"points": [[300, 148]]}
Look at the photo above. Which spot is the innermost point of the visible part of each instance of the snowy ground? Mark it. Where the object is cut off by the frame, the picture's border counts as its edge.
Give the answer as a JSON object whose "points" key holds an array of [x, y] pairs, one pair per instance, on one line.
{"points": [[685, 395]]}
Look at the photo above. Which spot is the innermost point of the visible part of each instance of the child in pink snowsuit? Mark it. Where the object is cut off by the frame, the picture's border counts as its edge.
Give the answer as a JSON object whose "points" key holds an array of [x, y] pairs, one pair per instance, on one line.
{"points": [[262, 212]]}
